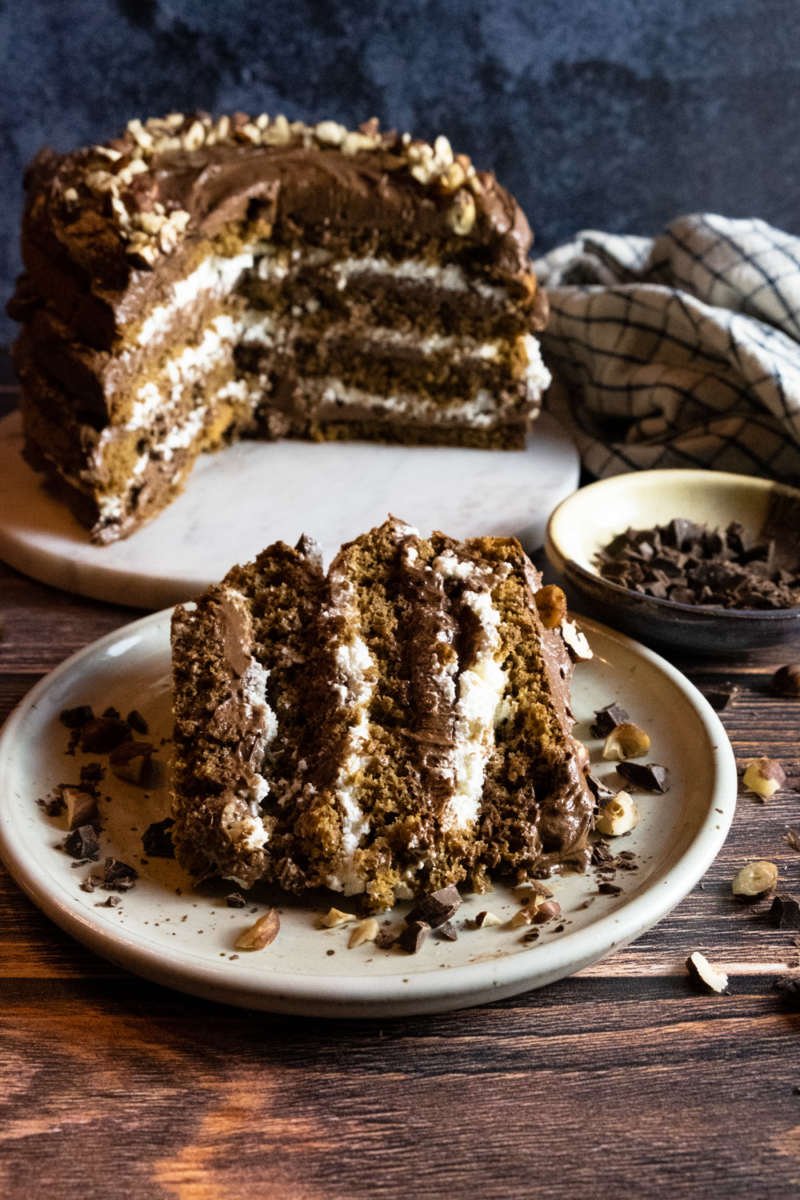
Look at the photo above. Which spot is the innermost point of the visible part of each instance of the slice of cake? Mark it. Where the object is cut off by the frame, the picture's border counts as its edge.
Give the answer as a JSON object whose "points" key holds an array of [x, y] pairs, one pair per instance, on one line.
{"points": [[195, 281], [427, 731]]}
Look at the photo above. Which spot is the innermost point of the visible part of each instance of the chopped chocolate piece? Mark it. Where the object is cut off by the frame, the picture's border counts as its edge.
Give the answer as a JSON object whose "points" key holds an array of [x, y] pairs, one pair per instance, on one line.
{"points": [[609, 889], [81, 806], [789, 992], [77, 717], [785, 912], [88, 884], [133, 762], [137, 722], [157, 839], [532, 935], [413, 936], [447, 932], [109, 902], [53, 805], [102, 734], [608, 718], [719, 697], [113, 714], [82, 843], [117, 876], [387, 937], [649, 776], [690, 564], [786, 681], [436, 908], [235, 900], [92, 774]]}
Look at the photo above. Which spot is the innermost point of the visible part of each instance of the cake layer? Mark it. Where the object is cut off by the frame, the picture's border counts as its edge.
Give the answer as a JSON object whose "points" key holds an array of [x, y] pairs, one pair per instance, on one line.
{"points": [[431, 740], [197, 281]]}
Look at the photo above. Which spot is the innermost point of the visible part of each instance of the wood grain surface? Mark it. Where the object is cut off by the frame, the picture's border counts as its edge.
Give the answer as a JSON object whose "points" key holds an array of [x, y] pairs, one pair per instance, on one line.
{"points": [[621, 1080]]}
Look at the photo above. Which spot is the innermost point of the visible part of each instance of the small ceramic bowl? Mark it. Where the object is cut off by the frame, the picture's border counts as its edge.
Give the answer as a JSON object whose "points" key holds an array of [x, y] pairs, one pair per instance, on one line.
{"points": [[588, 519]]}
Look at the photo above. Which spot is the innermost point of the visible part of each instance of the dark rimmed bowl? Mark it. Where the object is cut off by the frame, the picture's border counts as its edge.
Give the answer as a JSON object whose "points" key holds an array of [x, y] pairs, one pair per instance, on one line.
{"points": [[588, 519]]}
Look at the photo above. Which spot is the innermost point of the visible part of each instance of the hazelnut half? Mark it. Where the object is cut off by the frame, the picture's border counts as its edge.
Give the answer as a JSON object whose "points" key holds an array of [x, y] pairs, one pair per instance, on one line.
{"points": [[764, 776], [261, 933], [705, 973], [620, 815], [755, 879], [626, 741]]}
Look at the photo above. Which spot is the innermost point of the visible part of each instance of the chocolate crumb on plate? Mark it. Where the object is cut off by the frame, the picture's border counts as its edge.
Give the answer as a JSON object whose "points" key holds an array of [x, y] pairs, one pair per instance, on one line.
{"points": [[609, 889], [157, 839], [235, 900], [132, 761], [77, 717]]}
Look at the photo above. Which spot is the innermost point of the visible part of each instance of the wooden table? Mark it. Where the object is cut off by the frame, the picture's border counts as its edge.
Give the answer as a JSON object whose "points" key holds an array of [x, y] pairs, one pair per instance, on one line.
{"points": [[619, 1081]]}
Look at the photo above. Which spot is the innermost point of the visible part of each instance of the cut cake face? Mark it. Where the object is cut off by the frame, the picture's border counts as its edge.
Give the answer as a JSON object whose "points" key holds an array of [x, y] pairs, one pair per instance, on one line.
{"points": [[409, 727], [197, 281]]}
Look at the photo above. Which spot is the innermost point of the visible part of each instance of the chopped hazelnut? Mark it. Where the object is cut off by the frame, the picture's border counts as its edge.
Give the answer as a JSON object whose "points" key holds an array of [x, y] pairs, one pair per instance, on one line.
{"points": [[705, 973], [261, 933], [764, 776], [755, 879], [626, 741], [551, 605], [620, 815], [364, 931], [81, 806], [334, 917], [462, 214], [483, 919]]}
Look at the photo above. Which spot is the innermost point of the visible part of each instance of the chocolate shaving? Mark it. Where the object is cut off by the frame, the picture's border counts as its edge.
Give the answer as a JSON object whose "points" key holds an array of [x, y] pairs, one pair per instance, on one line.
{"points": [[649, 776]]}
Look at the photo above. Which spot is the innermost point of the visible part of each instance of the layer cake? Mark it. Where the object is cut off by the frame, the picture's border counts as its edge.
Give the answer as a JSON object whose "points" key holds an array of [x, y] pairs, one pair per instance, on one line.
{"points": [[195, 281], [395, 725]]}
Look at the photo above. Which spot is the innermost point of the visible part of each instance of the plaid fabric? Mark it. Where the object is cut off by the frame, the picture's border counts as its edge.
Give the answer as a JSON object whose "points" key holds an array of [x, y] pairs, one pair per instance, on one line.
{"points": [[683, 351]]}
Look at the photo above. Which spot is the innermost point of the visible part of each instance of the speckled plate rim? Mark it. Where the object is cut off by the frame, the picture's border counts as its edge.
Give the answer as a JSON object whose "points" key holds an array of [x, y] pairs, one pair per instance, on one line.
{"points": [[403, 993]]}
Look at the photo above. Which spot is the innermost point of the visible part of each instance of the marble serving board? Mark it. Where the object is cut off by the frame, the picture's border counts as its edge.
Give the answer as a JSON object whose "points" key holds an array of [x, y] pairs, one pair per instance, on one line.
{"points": [[241, 499]]}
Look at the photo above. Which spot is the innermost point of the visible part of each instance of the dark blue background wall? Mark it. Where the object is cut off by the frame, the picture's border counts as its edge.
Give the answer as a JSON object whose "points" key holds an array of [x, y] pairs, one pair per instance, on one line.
{"points": [[616, 114]]}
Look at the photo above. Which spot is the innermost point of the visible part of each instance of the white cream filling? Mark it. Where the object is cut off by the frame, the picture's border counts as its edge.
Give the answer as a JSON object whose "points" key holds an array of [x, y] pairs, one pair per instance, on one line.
{"points": [[247, 828], [355, 686], [218, 275]]}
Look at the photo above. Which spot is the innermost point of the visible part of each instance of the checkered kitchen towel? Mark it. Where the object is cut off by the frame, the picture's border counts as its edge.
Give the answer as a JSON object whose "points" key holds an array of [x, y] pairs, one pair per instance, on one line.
{"points": [[682, 351]]}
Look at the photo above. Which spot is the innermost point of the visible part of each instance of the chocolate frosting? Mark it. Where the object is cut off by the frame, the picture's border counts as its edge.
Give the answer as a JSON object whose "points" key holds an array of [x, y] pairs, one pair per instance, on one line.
{"points": [[77, 239]]}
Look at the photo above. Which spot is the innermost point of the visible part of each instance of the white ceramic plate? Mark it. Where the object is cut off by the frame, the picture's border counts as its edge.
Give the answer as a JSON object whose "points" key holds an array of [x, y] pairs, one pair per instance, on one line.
{"points": [[250, 494], [184, 939]]}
